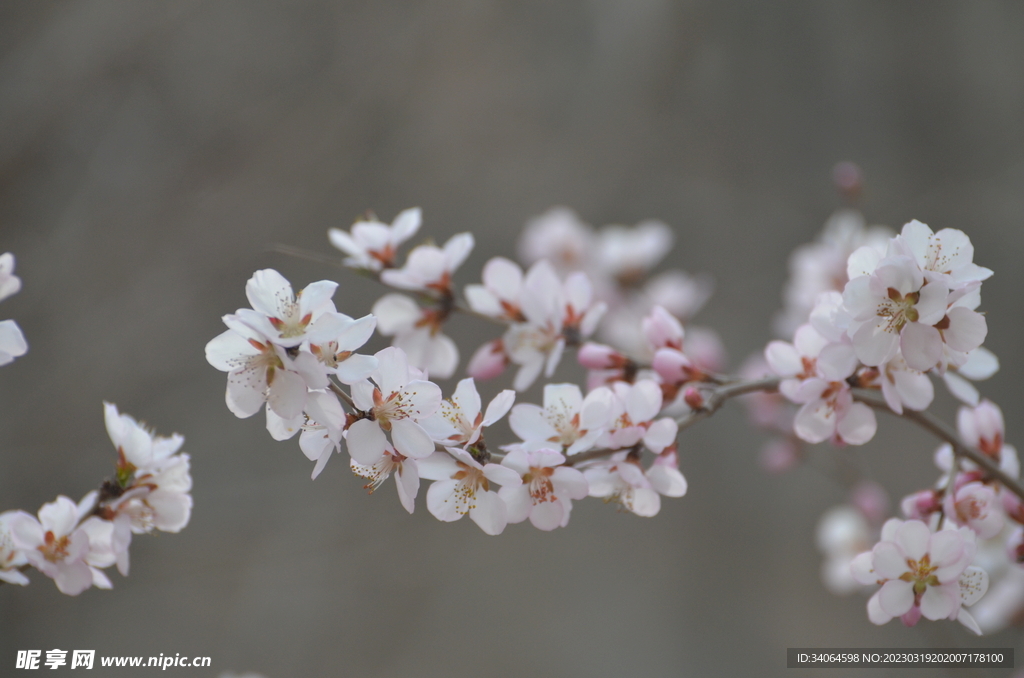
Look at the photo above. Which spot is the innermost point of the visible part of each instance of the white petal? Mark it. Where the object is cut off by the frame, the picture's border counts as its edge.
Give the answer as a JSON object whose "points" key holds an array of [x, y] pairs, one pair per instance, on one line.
{"points": [[268, 291], [875, 612], [973, 585], [457, 249], [489, 513], [529, 423], [408, 482], [962, 390], [913, 538], [921, 345], [499, 406], [547, 515], [896, 597], [660, 435], [938, 602], [667, 480], [915, 389], [395, 313], [858, 424], [981, 364], [441, 501], [967, 330], [518, 502], [287, 394], [366, 442], [410, 439], [888, 561]]}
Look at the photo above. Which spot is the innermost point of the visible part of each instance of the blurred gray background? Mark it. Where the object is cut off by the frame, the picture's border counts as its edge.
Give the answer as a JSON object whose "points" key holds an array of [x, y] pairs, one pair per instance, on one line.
{"points": [[151, 153]]}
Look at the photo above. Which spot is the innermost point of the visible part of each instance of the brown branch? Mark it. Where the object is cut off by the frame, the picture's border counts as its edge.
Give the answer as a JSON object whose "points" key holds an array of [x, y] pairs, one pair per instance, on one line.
{"points": [[942, 431]]}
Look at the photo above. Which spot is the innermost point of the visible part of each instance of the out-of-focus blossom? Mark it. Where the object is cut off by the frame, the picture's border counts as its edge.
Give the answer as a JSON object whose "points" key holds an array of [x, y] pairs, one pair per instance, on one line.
{"points": [[373, 245]]}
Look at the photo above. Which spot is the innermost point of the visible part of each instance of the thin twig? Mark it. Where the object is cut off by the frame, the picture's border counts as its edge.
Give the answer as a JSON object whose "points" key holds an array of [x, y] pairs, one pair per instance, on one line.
{"points": [[941, 430], [345, 398]]}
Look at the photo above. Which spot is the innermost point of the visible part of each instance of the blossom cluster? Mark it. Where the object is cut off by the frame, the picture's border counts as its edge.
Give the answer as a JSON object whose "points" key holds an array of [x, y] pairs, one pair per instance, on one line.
{"points": [[871, 318], [295, 355], [868, 311], [73, 542]]}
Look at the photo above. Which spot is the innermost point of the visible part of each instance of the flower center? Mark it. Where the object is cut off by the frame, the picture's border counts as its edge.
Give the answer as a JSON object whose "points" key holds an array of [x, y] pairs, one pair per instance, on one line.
{"points": [[921, 574], [53, 549], [538, 479], [470, 480], [899, 309]]}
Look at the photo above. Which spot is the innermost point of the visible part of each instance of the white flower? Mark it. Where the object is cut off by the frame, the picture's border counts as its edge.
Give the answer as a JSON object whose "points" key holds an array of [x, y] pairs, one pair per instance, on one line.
{"points": [[631, 417], [260, 371], [463, 486], [459, 420], [64, 550], [395, 405], [152, 485], [894, 309], [556, 313], [9, 283], [12, 342], [430, 267], [817, 371], [919, 571], [11, 558], [288, 319], [406, 472], [498, 297], [975, 505], [568, 420], [338, 353], [946, 256], [373, 245], [546, 491], [842, 534], [558, 236], [417, 331], [628, 253], [621, 479]]}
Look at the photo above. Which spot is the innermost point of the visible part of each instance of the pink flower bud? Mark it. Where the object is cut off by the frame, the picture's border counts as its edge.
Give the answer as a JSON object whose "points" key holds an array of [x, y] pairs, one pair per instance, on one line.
{"points": [[1013, 506], [672, 366], [595, 356], [911, 617], [489, 361], [662, 330], [693, 398], [920, 505], [1015, 546]]}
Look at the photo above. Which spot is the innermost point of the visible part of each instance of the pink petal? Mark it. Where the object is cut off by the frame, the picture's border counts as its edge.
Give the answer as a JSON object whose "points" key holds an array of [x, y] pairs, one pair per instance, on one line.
{"points": [[913, 538], [938, 602], [921, 346], [896, 597], [888, 561], [875, 612], [858, 424], [967, 329]]}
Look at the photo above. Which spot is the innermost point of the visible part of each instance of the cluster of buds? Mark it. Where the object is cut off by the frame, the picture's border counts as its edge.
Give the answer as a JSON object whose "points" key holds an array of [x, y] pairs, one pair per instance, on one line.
{"points": [[73, 542]]}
